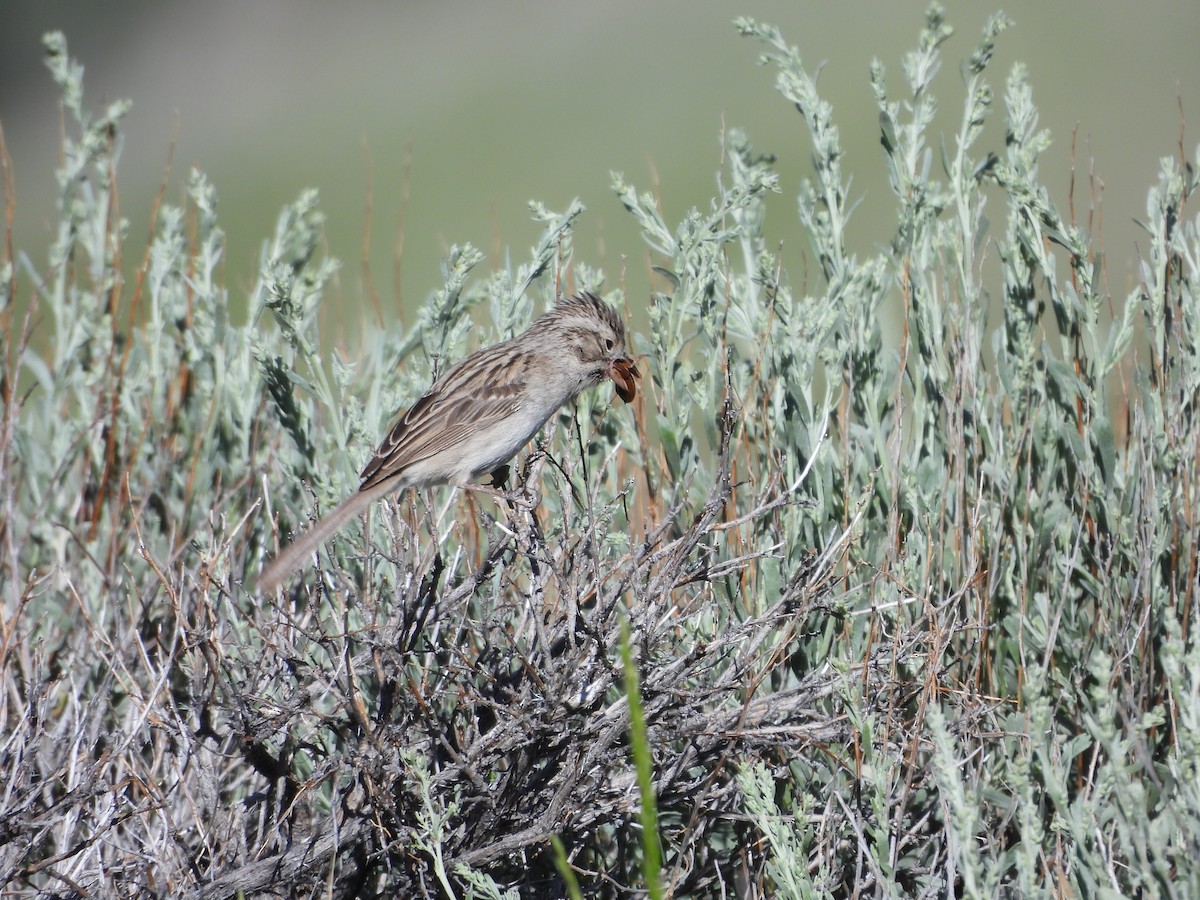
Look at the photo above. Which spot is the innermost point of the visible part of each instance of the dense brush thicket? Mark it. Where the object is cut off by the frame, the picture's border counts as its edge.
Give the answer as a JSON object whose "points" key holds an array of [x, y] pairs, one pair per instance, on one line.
{"points": [[909, 615]]}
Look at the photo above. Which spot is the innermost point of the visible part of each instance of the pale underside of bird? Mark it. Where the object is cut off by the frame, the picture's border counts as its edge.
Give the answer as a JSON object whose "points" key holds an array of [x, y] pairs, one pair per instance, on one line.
{"points": [[481, 412]]}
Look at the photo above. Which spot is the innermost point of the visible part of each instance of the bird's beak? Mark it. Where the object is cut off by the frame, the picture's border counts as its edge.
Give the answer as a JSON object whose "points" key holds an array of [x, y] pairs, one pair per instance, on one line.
{"points": [[624, 375]]}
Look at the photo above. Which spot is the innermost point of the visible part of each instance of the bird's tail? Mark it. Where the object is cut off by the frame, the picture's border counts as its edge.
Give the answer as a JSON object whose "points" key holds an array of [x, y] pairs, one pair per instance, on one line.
{"points": [[292, 556]]}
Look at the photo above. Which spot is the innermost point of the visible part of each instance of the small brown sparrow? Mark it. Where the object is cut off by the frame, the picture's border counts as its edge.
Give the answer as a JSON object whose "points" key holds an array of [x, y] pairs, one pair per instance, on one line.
{"points": [[476, 417]]}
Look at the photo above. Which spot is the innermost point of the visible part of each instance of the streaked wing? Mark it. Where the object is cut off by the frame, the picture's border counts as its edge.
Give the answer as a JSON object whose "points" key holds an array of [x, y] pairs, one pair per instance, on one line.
{"points": [[480, 391]]}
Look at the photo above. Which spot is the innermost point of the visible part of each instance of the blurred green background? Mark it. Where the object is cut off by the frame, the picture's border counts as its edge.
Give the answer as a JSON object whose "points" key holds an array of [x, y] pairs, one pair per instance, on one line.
{"points": [[495, 104]]}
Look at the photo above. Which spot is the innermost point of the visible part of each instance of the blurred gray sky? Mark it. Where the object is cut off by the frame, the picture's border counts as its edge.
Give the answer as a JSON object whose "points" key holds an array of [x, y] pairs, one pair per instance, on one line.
{"points": [[500, 103]]}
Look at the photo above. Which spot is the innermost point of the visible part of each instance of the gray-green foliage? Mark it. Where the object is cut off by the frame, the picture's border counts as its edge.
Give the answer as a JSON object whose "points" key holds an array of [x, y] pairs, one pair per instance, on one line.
{"points": [[913, 614], [1050, 569]]}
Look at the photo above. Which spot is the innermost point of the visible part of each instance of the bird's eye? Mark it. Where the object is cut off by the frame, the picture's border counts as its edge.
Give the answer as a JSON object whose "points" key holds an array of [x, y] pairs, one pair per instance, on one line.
{"points": [[608, 344]]}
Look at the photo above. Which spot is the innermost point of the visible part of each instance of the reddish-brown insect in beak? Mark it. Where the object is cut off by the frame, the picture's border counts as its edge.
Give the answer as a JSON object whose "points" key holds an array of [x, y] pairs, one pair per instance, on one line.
{"points": [[624, 375]]}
